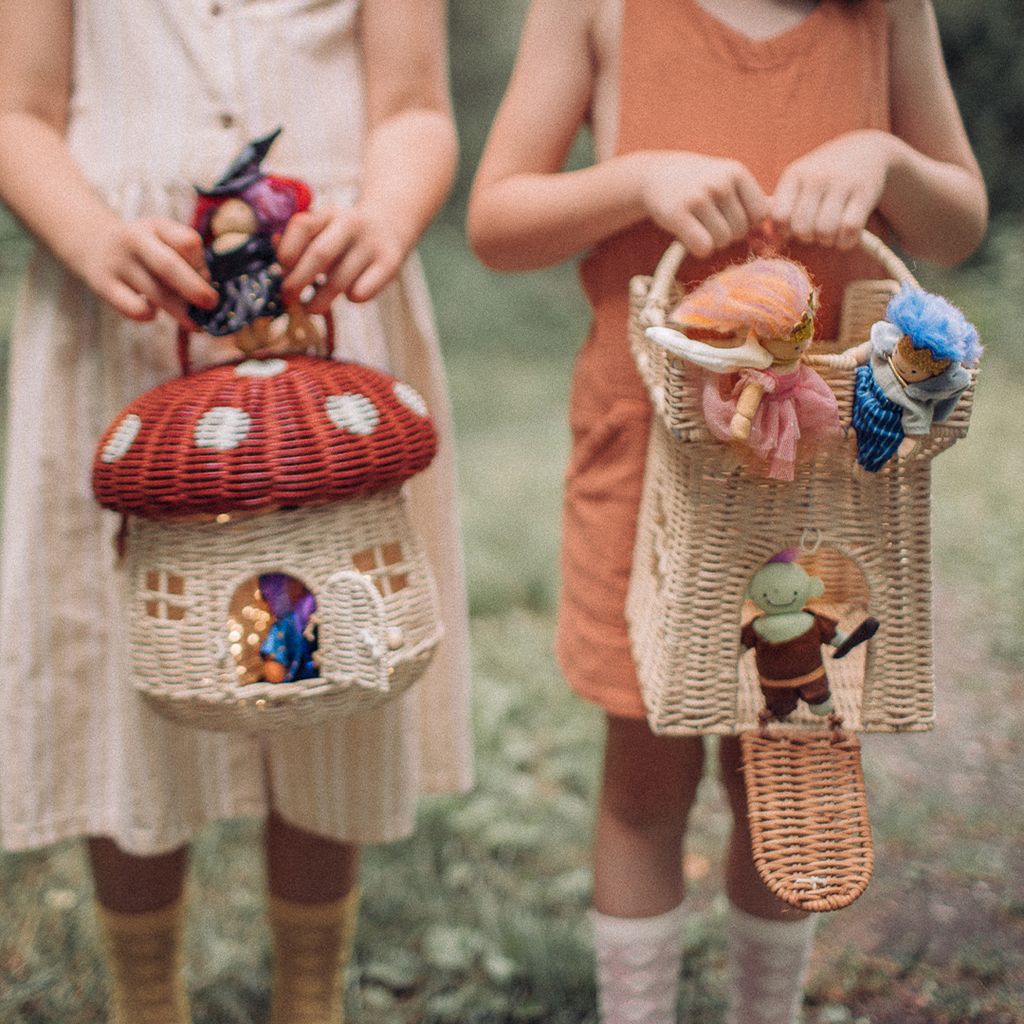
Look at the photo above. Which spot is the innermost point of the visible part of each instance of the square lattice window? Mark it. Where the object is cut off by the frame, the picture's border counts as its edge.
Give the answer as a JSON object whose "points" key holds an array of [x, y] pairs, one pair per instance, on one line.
{"points": [[385, 565], [165, 598]]}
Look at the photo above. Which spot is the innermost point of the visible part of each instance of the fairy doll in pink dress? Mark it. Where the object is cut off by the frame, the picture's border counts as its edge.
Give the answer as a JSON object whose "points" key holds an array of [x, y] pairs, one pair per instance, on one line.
{"points": [[759, 393]]}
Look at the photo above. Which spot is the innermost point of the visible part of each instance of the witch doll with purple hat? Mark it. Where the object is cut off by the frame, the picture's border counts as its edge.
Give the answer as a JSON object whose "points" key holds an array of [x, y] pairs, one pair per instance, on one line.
{"points": [[239, 219]]}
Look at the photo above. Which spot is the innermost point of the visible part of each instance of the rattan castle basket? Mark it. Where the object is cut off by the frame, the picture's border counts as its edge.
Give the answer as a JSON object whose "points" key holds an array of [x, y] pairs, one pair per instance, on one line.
{"points": [[707, 524], [277, 468]]}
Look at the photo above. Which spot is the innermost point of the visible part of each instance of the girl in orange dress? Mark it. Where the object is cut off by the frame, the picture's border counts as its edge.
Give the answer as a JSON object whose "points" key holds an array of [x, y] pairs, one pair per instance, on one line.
{"points": [[726, 124]]}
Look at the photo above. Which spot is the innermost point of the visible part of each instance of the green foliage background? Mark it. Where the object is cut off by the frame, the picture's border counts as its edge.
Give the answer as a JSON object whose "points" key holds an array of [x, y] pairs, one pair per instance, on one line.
{"points": [[982, 43]]}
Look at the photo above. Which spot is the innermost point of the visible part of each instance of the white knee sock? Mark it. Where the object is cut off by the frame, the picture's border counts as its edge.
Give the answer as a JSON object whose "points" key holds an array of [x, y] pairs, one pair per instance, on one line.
{"points": [[767, 967], [638, 966]]}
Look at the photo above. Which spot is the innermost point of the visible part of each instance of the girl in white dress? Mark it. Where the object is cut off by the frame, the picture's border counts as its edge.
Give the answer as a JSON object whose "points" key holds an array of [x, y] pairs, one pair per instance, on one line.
{"points": [[111, 112]]}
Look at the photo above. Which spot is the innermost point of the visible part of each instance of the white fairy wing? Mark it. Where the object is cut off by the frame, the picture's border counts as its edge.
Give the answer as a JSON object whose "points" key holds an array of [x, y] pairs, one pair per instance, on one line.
{"points": [[718, 360]]}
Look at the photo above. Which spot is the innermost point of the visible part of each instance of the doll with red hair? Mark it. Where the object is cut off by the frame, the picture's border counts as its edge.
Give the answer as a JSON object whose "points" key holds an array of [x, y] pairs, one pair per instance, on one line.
{"points": [[761, 395]]}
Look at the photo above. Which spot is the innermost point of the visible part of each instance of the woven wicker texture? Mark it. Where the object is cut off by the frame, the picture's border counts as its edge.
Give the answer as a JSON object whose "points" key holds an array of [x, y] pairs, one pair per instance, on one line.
{"points": [[808, 819], [669, 379], [707, 524], [262, 434], [377, 612]]}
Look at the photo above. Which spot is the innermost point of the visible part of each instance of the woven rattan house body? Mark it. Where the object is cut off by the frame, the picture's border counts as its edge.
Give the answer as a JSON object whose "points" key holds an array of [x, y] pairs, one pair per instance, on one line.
{"points": [[289, 466], [707, 524]]}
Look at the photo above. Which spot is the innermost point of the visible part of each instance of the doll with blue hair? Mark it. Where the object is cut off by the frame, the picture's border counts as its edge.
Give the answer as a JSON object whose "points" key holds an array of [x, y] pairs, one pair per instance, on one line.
{"points": [[912, 373]]}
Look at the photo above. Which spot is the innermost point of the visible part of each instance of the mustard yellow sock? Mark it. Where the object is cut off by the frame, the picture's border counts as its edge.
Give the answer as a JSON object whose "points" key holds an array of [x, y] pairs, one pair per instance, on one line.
{"points": [[145, 962], [312, 946]]}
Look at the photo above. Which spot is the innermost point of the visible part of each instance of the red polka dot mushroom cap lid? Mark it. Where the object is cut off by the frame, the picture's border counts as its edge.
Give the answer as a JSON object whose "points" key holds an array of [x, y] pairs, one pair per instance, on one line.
{"points": [[262, 434]]}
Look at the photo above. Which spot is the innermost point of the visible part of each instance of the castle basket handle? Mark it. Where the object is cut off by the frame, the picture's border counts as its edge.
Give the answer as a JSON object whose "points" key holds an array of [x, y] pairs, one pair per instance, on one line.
{"points": [[656, 306]]}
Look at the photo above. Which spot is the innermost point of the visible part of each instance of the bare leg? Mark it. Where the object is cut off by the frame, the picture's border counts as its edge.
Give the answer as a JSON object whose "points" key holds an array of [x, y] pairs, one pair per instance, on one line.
{"points": [[742, 882], [314, 903], [649, 786], [129, 884], [140, 916], [769, 941], [306, 868]]}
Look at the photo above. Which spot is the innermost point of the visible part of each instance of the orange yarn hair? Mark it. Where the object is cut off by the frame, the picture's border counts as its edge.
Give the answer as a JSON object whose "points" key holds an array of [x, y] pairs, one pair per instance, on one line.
{"points": [[768, 295]]}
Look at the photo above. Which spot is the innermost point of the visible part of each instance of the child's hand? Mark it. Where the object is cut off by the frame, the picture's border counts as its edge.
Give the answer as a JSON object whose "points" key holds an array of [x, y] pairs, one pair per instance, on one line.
{"points": [[705, 202], [338, 250], [146, 265], [827, 195]]}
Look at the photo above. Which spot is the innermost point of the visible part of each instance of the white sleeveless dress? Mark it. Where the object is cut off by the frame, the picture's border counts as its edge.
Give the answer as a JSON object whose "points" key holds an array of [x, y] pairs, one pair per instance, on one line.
{"points": [[165, 93]]}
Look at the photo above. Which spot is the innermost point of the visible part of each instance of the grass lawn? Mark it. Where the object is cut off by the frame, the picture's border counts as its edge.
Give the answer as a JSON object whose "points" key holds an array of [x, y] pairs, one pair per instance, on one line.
{"points": [[480, 916]]}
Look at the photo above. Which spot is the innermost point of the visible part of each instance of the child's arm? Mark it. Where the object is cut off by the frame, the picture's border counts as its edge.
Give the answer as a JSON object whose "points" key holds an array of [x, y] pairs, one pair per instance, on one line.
{"points": [[137, 268], [923, 177], [408, 166], [746, 407], [525, 212]]}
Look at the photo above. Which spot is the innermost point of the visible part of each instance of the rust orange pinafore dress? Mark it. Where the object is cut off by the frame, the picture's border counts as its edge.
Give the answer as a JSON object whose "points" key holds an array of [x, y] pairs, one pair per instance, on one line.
{"points": [[689, 82]]}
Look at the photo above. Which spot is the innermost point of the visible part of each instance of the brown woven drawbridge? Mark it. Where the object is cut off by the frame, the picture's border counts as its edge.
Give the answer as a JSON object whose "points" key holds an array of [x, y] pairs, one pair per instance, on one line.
{"points": [[707, 524], [808, 818]]}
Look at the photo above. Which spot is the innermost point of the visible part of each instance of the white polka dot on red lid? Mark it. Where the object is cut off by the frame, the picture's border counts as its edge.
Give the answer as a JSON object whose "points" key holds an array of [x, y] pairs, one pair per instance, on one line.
{"points": [[410, 398], [222, 427], [352, 412], [121, 440], [261, 368]]}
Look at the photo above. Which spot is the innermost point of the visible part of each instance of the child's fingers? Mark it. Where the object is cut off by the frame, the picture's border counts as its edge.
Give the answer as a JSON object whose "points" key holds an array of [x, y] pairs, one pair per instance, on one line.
{"points": [[186, 242], [373, 279], [854, 219], [313, 249], [733, 220], [172, 303], [804, 214], [696, 238], [716, 223], [169, 255], [831, 208], [841, 217], [339, 281], [705, 202], [755, 204], [129, 302], [827, 196], [338, 251], [795, 204], [710, 231], [828, 217], [298, 233], [138, 295], [783, 199]]}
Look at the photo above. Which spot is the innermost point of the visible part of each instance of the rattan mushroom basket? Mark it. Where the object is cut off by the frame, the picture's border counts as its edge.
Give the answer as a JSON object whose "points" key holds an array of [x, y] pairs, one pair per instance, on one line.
{"points": [[267, 495], [707, 523]]}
